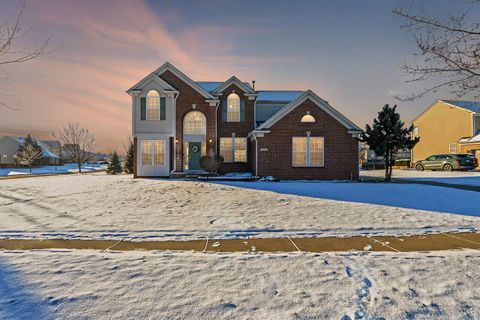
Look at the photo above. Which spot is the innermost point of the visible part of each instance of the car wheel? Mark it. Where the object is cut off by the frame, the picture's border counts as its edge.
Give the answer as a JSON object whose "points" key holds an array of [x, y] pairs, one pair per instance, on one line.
{"points": [[447, 167], [419, 167]]}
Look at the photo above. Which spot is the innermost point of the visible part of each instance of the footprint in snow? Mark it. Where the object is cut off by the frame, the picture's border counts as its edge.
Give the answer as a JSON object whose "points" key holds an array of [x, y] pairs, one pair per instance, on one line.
{"points": [[216, 244], [349, 272]]}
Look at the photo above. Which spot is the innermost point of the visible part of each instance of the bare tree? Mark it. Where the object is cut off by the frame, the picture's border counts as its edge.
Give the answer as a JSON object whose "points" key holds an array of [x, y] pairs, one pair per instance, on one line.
{"points": [[28, 154], [12, 49], [77, 142], [449, 51]]}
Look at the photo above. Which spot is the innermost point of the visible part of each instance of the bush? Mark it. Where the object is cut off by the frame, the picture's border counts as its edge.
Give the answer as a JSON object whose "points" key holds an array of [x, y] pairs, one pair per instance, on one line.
{"points": [[402, 163], [211, 163], [114, 166]]}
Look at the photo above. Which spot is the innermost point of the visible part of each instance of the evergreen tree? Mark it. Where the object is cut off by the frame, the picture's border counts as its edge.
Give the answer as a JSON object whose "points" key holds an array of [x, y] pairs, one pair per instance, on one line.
{"points": [[388, 135], [29, 152], [128, 165], [114, 165]]}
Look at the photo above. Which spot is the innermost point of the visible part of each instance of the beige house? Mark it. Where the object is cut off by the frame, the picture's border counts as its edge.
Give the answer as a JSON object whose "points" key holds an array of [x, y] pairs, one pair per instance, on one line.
{"points": [[447, 126]]}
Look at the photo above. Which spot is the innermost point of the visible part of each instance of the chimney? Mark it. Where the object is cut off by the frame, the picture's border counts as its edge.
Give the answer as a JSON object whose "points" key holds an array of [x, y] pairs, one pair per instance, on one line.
{"points": [[253, 85]]}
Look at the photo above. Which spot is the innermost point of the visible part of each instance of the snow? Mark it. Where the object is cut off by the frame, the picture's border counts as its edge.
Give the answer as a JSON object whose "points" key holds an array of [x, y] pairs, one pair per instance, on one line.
{"points": [[469, 178], [230, 176], [84, 284], [66, 168], [278, 95], [100, 206]]}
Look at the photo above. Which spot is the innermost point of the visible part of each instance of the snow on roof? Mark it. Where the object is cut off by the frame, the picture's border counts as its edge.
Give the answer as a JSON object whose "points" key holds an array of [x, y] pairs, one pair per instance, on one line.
{"points": [[283, 95], [468, 105], [470, 140], [44, 146]]}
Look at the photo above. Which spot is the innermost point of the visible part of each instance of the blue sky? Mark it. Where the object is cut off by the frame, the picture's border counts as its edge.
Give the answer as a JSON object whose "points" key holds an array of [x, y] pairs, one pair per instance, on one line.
{"points": [[348, 52]]}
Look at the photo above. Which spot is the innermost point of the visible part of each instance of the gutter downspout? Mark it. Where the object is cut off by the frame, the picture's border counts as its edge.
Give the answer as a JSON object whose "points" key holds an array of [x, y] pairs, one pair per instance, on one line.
{"points": [[216, 127], [175, 132], [256, 154]]}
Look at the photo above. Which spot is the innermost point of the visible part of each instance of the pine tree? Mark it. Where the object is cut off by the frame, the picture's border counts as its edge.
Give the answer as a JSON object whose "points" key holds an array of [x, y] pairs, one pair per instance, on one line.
{"points": [[128, 165], [29, 152], [388, 135], [114, 165]]}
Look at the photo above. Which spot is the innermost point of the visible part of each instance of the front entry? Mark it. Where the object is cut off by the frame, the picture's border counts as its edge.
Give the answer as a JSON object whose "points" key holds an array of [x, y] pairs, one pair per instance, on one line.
{"points": [[194, 155]]}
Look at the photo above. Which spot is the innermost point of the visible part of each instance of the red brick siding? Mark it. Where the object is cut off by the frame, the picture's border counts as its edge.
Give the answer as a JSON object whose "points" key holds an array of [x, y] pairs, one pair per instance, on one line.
{"points": [[187, 97], [341, 149], [241, 129]]}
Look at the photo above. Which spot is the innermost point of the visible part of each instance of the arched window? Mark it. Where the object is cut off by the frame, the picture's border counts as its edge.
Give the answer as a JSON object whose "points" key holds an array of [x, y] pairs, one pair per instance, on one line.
{"points": [[153, 105], [195, 123], [233, 108], [308, 118]]}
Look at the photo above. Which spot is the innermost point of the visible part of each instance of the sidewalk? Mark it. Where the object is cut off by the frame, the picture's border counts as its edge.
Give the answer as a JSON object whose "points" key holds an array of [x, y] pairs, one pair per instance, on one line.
{"points": [[429, 242]]}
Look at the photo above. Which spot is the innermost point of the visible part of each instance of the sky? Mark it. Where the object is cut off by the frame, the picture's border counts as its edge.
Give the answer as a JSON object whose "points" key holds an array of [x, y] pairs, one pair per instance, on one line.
{"points": [[348, 52]]}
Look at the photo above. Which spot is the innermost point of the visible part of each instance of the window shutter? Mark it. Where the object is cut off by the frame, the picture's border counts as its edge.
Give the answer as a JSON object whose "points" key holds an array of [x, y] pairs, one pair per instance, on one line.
{"points": [[224, 110], [163, 115], [242, 110], [143, 108]]}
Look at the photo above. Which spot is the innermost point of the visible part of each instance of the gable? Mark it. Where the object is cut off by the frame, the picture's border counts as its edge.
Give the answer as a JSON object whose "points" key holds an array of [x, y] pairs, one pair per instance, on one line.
{"points": [[167, 67], [152, 77], [318, 102], [234, 80]]}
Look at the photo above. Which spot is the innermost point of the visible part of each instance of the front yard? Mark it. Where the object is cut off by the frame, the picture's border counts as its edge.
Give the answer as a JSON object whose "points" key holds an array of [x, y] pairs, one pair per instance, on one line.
{"points": [[108, 284], [119, 207]]}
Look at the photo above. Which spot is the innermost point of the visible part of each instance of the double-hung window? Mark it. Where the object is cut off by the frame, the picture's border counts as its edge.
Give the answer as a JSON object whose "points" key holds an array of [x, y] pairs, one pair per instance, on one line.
{"points": [[233, 149], [153, 152], [308, 151]]}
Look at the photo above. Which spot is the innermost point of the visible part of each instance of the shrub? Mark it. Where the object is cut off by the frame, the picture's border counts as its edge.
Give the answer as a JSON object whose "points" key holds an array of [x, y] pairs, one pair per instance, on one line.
{"points": [[402, 163], [211, 163]]}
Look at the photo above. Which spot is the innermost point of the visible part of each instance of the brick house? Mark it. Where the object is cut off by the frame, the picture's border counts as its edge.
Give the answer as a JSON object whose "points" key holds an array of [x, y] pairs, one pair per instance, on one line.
{"points": [[285, 134]]}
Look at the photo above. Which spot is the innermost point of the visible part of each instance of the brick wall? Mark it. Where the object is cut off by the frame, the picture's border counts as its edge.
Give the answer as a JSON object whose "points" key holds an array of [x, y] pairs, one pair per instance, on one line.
{"points": [[189, 96], [341, 149], [241, 129]]}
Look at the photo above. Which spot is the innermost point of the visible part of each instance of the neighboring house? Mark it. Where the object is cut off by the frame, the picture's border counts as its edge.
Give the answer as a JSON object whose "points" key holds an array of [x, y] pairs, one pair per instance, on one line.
{"points": [[9, 148], [446, 127], [286, 134]]}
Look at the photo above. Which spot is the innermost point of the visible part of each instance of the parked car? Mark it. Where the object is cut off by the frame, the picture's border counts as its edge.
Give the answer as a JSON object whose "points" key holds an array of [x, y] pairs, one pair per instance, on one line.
{"points": [[448, 162]]}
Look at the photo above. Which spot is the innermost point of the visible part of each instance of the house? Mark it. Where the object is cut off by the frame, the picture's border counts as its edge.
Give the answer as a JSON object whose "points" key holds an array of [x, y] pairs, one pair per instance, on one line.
{"points": [[9, 148], [285, 134], [447, 127]]}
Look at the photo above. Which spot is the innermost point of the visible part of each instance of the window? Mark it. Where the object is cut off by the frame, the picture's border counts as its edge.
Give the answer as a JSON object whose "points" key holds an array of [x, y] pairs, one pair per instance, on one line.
{"points": [[452, 148], [153, 152], [233, 108], [308, 151], [195, 123], [308, 118], [233, 149], [476, 125], [153, 105]]}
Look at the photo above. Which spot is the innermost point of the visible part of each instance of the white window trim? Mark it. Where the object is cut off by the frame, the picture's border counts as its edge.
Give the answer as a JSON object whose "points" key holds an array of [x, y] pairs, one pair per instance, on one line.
{"points": [[452, 146], [157, 107], [233, 149], [152, 164], [307, 153]]}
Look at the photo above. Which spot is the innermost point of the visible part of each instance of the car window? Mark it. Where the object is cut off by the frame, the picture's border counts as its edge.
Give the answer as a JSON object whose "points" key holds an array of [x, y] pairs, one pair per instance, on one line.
{"points": [[431, 158]]}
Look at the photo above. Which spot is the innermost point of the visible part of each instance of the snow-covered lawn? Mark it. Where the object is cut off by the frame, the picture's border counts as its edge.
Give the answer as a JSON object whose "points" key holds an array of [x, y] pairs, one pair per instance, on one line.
{"points": [[85, 284], [469, 178], [119, 207], [66, 168]]}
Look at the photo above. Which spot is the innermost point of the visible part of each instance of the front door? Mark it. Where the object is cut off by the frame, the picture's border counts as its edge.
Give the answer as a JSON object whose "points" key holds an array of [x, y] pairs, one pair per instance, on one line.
{"points": [[194, 155]]}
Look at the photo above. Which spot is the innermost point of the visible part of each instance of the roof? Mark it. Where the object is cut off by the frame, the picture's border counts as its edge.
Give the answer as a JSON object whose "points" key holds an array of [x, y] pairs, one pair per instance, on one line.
{"points": [[474, 139], [209, 86], [46, 152], [278, 95], [473, 106]]}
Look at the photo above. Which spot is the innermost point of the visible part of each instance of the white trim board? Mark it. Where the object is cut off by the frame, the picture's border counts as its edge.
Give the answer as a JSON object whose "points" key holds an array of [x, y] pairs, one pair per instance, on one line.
{"points": [[168, 66], [324, 105], [237, 82], [152, 77]]}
